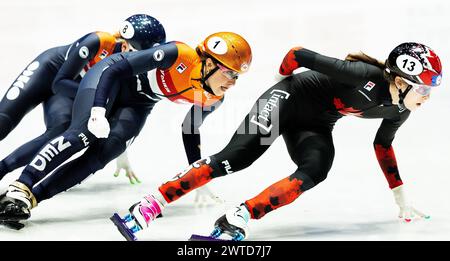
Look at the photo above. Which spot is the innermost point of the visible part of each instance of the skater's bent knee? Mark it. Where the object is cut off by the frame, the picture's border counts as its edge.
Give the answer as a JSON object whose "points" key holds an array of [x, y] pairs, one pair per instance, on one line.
{"points": [[307, 181], [56, 130], [5, 125], [110, 149]]}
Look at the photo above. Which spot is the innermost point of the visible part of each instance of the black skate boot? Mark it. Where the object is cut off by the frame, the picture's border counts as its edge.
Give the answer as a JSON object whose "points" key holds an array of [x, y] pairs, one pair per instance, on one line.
{"points": [[10, 224], [17, 202], [233, 223], [13, 210]]}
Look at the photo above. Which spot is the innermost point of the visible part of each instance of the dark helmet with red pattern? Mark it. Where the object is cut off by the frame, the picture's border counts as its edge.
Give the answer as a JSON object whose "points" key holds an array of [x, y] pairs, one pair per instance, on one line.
{"points": [[415, 62]]}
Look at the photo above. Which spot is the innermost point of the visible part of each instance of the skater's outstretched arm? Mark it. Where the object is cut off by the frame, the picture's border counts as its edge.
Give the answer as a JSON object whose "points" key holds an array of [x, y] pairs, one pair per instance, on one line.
{"points": [[78, 56], [384, 151], [133, 64], [388, 163], [192, 144], [190, 129], [344, 71]]}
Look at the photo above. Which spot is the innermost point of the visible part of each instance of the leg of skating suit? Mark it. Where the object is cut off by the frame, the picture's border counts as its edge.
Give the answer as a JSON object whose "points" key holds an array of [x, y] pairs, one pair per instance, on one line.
{"points": [[75, 138], [57, 116], [313, 152], [31, 88], [126, 123], [265, 122]]}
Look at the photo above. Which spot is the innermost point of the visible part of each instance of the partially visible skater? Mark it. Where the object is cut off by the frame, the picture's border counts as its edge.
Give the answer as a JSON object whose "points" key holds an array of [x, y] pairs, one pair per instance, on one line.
{"points": [[304, 108], [52, 79]]}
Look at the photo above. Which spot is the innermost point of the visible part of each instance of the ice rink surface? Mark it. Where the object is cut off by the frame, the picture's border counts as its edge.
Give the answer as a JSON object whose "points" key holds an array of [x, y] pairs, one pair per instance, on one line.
{"points": [[353, 203]]}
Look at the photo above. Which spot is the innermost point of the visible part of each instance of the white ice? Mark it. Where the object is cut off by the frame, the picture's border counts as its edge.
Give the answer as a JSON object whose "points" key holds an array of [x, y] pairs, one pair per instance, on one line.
{"points": [[353, 203]]}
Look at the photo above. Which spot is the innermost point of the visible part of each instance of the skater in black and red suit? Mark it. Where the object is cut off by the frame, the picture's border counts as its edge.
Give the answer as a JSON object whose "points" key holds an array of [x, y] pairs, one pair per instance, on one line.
{"points": [[303, 108]]}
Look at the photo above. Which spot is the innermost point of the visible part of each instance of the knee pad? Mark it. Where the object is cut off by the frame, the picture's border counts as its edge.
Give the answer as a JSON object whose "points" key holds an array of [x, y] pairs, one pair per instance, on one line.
{"points": [[5, 125]]}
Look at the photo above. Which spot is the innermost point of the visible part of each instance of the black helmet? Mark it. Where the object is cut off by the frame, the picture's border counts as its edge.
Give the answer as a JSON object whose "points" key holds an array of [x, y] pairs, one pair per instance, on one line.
{"points": [[142, 31]]}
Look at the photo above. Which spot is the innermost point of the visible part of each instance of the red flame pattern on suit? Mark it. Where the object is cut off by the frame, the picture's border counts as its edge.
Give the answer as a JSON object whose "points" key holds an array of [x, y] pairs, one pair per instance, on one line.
{"points": [[277, 195], [198, 174], [289, 63], [388, 163]]}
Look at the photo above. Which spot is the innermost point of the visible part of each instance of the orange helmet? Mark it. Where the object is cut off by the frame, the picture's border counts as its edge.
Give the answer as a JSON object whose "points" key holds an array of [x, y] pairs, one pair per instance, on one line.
{"points": [[230, 49]]}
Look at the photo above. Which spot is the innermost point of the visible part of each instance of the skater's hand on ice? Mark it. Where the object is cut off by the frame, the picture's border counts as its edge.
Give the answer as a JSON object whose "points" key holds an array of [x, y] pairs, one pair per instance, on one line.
{"points": [[98, 124], [129, 174], [407, 212], [204, 196], [122, 162]]}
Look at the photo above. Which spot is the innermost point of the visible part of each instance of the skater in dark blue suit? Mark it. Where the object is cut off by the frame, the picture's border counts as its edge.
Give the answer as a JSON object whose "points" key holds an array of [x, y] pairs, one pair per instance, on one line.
{"points": [[53, 78]]}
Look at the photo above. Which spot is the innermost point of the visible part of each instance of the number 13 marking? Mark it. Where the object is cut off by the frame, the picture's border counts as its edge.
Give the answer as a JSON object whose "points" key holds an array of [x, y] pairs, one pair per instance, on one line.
{"points": [[411, 63]]}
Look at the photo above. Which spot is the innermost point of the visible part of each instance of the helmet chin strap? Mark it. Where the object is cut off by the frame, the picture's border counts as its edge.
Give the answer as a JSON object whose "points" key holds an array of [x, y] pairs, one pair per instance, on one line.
{"points": [[117, 47], [401, 97], [203, 80]]}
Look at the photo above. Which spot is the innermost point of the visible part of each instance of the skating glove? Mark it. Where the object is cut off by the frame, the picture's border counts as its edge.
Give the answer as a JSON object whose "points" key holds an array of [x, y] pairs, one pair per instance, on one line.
{"points": [[98, 124], [122, 162], [204, 195], [407, 212]]}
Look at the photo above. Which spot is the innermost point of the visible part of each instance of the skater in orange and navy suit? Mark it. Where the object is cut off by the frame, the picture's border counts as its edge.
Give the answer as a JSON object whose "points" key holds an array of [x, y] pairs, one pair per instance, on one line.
{"points": [[111, 106]]}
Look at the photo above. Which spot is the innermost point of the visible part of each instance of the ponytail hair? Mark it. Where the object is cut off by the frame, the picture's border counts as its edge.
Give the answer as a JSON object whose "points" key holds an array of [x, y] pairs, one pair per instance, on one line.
{"points": [[362, 57], [119, 38], [117, 35], [203, 56]]}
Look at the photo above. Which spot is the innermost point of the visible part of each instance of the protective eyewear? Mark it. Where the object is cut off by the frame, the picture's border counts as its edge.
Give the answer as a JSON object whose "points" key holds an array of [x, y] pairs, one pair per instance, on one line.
{"points": [[230, 74], [421, 89]]}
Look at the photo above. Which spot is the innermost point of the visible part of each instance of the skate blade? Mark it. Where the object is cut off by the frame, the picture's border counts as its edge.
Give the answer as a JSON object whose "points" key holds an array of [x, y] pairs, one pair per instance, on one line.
{"points": [[122, 227], [16, 218], [238, 237], [12, 224], [195, 237], [235, 236]]}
